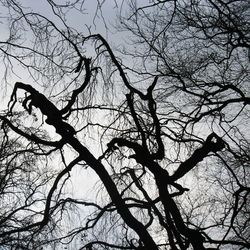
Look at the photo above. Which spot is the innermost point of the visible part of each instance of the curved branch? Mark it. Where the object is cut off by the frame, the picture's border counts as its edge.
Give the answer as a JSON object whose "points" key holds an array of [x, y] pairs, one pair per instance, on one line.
{"points": [[32, 137], [53, 188], [117, 64]]}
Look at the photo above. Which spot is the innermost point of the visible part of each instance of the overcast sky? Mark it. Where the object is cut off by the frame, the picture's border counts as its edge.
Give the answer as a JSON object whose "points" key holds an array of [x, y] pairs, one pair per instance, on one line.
{"points": [[74, 19]]}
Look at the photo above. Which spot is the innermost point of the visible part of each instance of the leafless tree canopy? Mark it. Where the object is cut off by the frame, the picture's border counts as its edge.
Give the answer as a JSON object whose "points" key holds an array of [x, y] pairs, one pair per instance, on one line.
{"points": [[134, 140]]}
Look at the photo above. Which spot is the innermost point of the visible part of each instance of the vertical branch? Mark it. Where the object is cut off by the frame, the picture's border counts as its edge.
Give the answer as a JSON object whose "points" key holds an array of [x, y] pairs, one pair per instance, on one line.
{"points": [[86, 81], [152, 109], [117, 64], [135, 118]]}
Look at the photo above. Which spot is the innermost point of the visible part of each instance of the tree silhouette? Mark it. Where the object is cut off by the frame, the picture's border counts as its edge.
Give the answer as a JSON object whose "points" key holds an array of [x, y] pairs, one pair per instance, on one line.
{"points": [[160, 124]]}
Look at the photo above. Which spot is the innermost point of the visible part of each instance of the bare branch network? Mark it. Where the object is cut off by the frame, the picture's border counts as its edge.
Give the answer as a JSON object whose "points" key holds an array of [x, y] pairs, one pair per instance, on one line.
{"points": [[137, 140]]}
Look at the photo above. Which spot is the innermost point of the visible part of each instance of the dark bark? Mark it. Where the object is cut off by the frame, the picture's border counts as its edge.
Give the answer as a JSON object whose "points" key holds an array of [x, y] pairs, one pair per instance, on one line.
{"points": [[198, 155]]}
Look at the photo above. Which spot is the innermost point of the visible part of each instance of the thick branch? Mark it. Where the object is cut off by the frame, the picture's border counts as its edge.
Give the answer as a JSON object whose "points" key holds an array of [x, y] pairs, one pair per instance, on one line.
{"points": [[32, 137], [76, 92], [38, 100], [198, 155], [113, 192], [152, 109]]}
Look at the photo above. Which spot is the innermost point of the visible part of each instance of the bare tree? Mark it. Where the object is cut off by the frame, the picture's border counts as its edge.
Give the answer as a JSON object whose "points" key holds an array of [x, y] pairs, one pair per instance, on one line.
{"points": [[165, 134]]}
